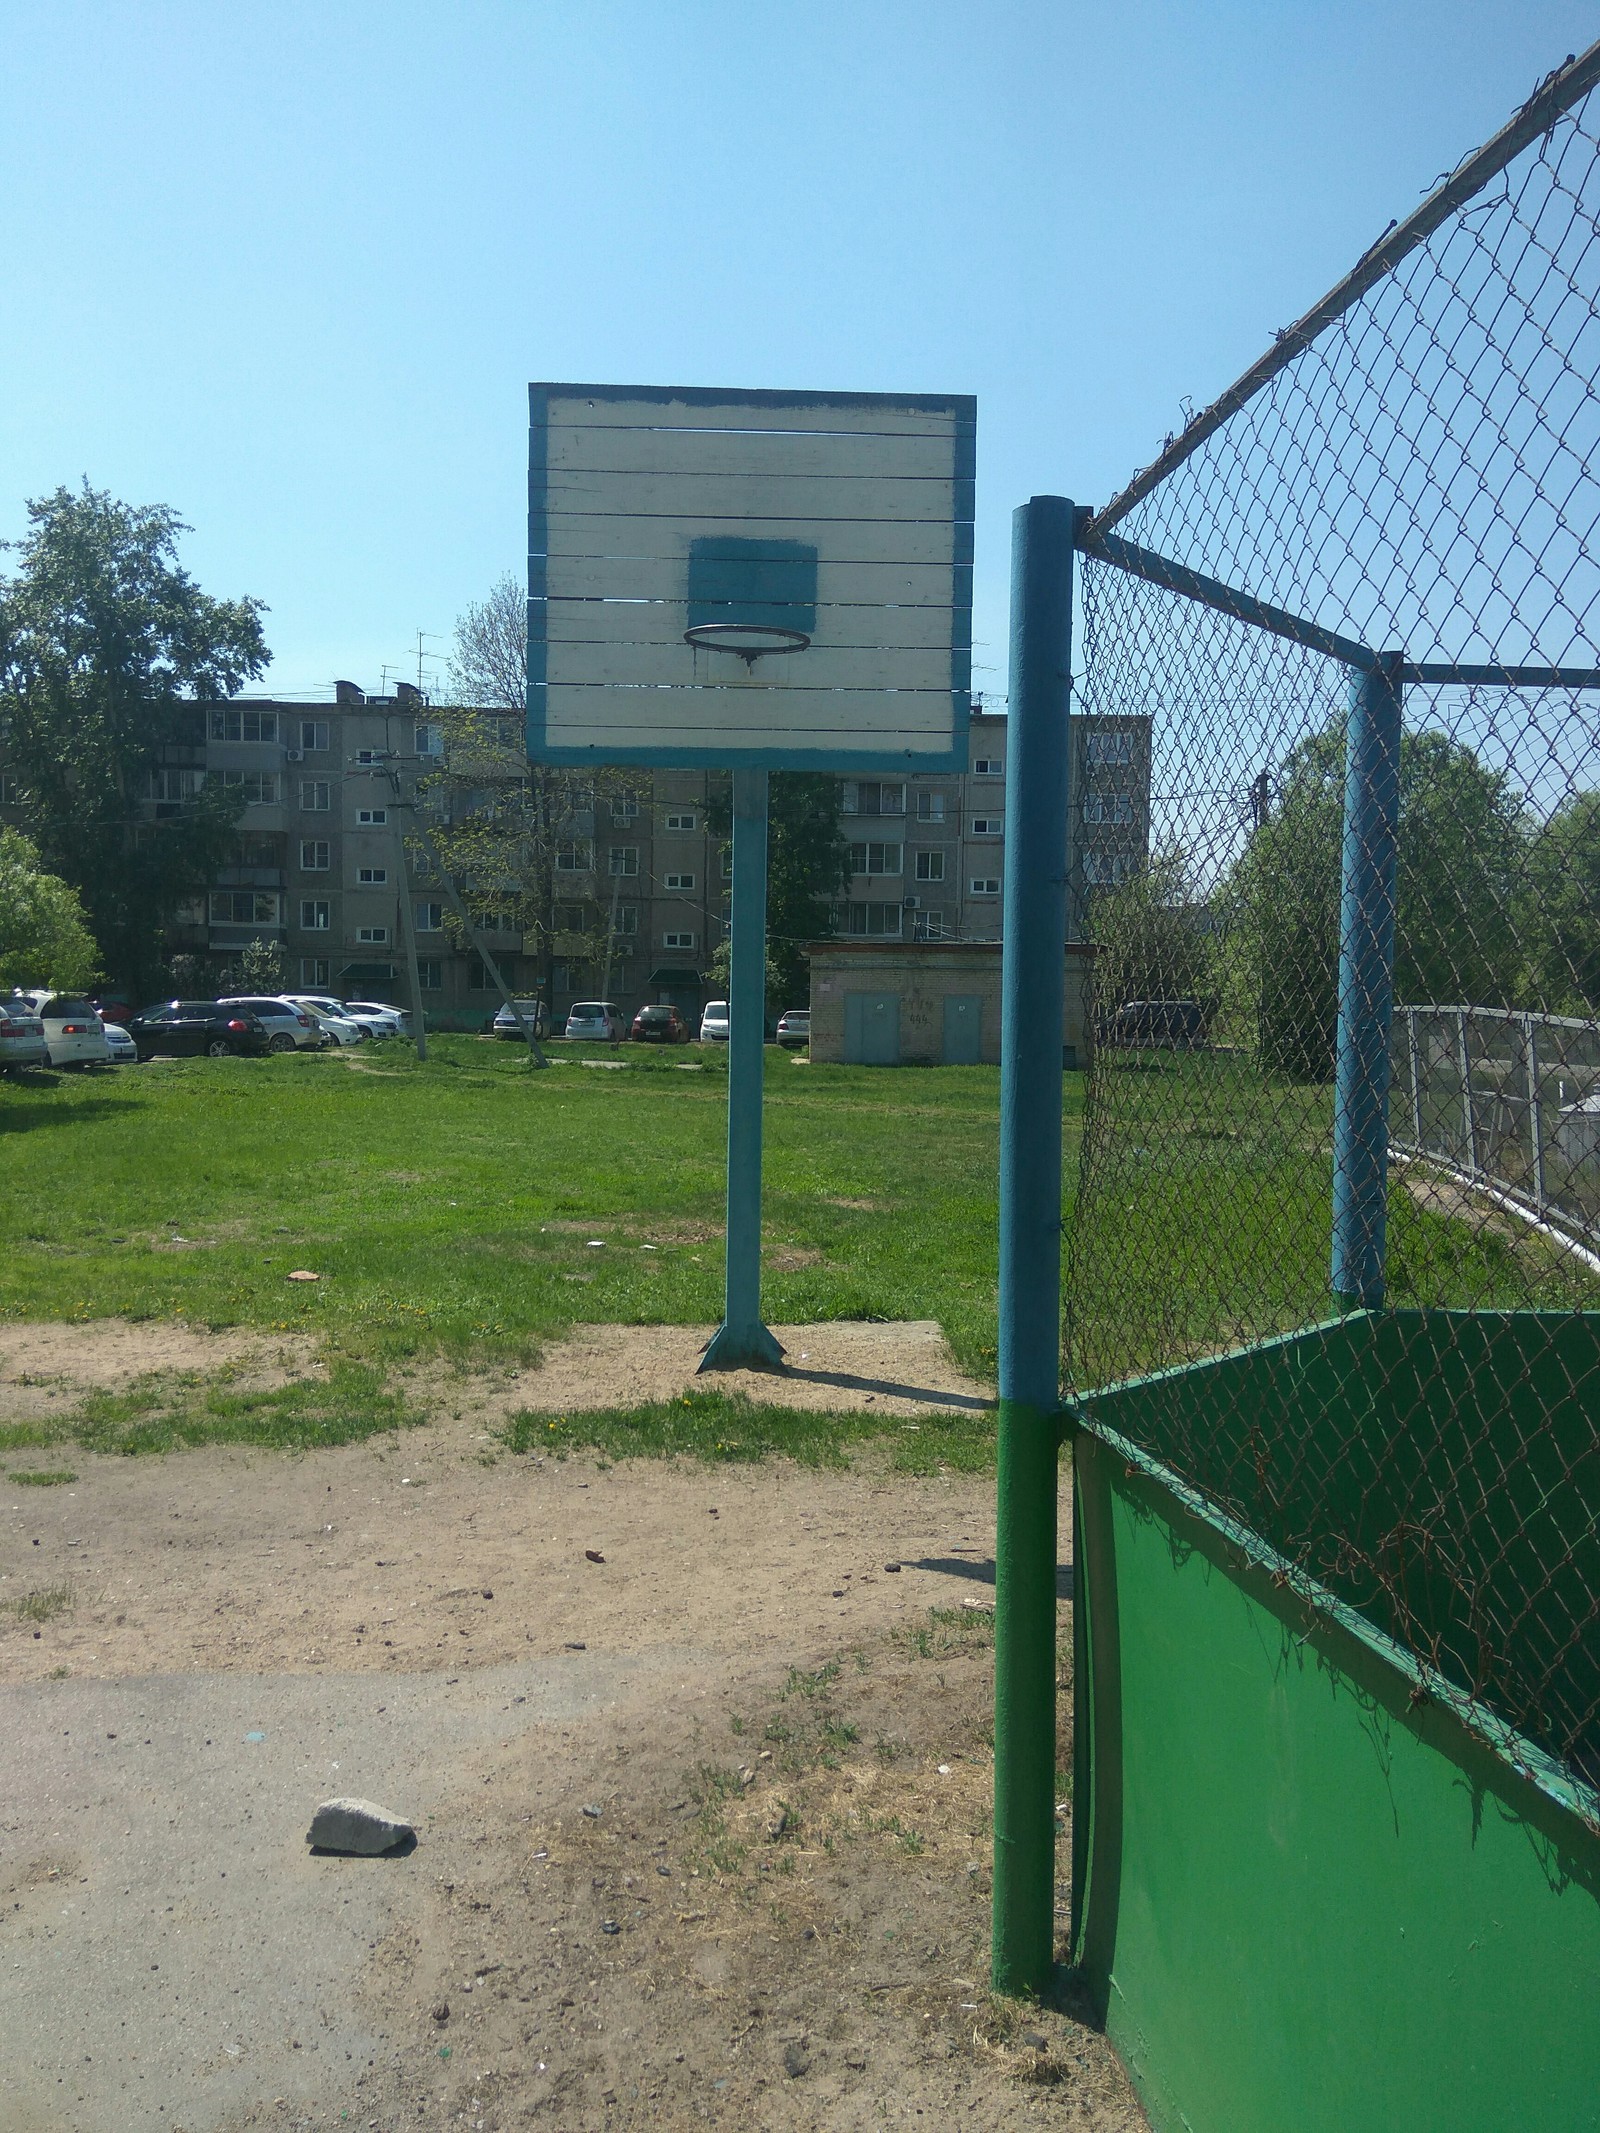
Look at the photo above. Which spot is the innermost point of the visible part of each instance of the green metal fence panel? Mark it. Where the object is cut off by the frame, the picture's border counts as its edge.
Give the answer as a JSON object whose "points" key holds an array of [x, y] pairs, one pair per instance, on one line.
{"points": [[1312, 1898]]}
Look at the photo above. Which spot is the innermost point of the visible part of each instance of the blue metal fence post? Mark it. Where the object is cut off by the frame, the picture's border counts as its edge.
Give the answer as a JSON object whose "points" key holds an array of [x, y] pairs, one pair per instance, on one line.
{"points": [[1366, 983], [742, 1341], [1031, 1032]]}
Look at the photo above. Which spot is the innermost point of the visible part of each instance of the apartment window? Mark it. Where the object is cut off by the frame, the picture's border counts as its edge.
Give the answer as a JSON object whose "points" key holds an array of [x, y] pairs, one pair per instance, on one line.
{"points": [[314, 736], [1113, 751], [373, 936], [430, 918], [1106, 870], [624, 808], [232, 725], [627, 919], [316, 855], [316, 796], [372, 817], [861, 797], [314, 972], [163, 784], [368, 757], [876, 858], [876, 921], [727, 862], [984, 885], [988, 825], [623, 859], [372, 877], [679, 883], [929, 926], [569, 918], [988, 766], [930, 866], [315, 915], [503, 732], [260, 787], [243, 907], [1113, 807], [495, 922], [679, 940], [930, 806], [428, 740], [681, 822], [478, 978]]}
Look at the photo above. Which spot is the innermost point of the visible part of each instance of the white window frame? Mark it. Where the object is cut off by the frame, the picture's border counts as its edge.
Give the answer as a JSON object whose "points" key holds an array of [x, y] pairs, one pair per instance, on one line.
{"points": [[321, 915], [685, 942], [1114, 808], [678, 884], [430, 973], [372, 818], [930, 866], [989, 766], [316, 796], [987, 826], [321, 859], [1109, 751], [373, 877], [314, 736], [372, 936], [430, 918], [686, 823], [230, 722], [984, 885], [878, 858], [260, 787], [314, 972], [575, 855], [267, 908], [622, 860], [624, 809], [931, 806]]}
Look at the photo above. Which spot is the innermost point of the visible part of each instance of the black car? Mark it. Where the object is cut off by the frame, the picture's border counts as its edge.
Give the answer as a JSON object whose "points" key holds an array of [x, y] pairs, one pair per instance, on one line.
{"points": [[191, 1026], [660, 1025], [1170, 1025]]}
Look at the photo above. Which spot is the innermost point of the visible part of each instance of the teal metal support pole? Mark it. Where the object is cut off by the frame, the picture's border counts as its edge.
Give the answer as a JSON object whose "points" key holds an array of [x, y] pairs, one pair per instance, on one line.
{"points": [[1031, 1033], [742, 1341], [1366, 984]]}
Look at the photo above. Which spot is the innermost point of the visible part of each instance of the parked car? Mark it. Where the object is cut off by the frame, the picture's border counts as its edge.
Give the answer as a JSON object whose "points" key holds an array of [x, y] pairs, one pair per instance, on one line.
{"points": [[660, 1025], [112, 1010], [1166, 1025], [599, 1021], [339, 1028], [505, 1023], [794, 1027], [123, 1050], [185, 1027], [323, 1003], [73, 1031], [396, 1019], [714, 1023], [289, 1028], [22, 1038]]}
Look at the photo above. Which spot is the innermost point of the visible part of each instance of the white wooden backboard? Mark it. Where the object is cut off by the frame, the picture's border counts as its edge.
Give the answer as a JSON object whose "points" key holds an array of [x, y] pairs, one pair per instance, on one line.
{"points": [[837, 526]]}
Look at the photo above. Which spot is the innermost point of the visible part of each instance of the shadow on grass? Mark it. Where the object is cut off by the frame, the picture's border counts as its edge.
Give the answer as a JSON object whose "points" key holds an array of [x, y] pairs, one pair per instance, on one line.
{"points": [[74, 1112]]}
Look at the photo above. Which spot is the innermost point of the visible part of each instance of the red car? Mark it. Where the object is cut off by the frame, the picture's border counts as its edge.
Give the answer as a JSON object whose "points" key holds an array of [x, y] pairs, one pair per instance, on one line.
{"points": [[660, 1025]]}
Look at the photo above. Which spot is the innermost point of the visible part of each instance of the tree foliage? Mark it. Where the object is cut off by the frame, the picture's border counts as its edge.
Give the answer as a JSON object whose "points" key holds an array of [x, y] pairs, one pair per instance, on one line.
{"points": [[808, 864], [1151, 937], [105, 643], [44, 936], [1564, 901]]}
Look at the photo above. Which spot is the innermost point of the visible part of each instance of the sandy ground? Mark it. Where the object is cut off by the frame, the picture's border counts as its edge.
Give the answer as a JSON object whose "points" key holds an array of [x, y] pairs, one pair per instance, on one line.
{"points": [[702, 1823]]}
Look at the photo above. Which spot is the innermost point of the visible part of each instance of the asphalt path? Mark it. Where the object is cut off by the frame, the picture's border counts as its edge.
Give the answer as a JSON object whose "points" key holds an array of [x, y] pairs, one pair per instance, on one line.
{"points": [[171, 1951]]}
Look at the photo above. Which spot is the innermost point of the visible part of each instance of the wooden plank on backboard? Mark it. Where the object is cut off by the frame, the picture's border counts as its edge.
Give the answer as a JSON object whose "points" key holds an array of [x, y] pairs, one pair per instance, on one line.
{"points": [[666, 407], [868, 585], [848, 498], [850, 719], [572, 534], [780, 454], [686, 666], [661, 622]]}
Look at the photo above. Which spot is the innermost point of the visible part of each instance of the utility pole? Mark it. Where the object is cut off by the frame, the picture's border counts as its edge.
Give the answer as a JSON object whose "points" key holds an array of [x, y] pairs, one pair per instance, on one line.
{"points": [[408, 916]]}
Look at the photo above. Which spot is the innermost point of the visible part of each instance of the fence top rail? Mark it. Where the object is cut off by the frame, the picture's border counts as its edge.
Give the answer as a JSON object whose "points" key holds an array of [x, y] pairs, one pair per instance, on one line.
{"points": [[1504, 1014], [1555, 96]]}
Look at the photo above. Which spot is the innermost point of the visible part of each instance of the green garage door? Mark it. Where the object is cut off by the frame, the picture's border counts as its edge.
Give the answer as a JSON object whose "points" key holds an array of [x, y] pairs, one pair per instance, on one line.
{"points": [[963, 1029], [872, 1029]]}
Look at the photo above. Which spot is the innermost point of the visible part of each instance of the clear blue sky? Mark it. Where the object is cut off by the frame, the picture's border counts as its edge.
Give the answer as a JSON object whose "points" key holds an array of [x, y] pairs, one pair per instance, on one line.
{"points": [[290, 267]]}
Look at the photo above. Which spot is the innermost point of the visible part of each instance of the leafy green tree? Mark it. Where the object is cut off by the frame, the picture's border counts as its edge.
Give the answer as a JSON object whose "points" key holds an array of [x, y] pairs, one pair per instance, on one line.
{"points": [[1460, 884], [44, 938], [1563, 918], [808, 864], [105, 644], [262, 966], [1151, 938]]}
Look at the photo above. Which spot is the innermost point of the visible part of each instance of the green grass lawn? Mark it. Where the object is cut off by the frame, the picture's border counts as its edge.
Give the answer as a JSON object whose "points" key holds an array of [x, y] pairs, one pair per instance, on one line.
{"points": [[450, 1207]]}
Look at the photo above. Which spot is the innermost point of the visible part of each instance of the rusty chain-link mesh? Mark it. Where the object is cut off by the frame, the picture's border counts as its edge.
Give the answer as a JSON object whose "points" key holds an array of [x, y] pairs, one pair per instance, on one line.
{"points": [[1421, 478]]}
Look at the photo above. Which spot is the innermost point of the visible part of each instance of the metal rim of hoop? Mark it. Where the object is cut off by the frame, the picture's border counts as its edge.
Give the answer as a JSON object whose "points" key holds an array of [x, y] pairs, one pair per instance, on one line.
{"points": [[736, 637]]}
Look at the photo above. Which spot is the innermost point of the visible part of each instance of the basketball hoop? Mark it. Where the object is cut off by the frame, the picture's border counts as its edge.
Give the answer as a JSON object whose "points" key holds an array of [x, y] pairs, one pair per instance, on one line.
{"points": [[750, 640]]}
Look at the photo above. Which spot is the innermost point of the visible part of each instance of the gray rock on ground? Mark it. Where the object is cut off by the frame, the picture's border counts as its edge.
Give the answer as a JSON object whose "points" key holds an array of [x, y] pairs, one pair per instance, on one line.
{"points": [[356, 1826]]}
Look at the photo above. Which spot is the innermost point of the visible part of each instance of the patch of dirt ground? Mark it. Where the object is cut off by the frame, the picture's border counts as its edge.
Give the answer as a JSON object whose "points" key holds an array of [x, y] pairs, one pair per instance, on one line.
{"points": [[46, 1367], [700, 1759]]}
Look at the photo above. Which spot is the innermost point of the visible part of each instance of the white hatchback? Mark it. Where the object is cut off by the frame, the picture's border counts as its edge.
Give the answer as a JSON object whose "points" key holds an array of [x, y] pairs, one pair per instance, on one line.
{"points": [[73, 1031], [289, 1028], [596, 1022], [714, 1023]]}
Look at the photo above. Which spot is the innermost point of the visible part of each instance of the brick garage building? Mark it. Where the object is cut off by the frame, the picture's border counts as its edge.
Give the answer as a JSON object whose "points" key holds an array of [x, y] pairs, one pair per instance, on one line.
{"points": [[923, 1003]]}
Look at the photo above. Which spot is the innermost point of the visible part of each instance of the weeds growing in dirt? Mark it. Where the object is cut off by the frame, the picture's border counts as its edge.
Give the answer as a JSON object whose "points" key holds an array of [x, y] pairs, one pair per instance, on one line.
{"points": [[42, 1605], [41, 1477], [730, 1429]]}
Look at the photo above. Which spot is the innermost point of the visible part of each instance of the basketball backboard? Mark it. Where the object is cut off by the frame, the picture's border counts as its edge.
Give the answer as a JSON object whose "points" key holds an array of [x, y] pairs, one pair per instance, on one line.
{"points": [[727, 579]]}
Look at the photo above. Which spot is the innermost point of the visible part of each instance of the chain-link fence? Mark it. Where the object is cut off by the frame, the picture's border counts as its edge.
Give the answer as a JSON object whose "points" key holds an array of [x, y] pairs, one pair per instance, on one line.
{"points": [[1358, 603]]}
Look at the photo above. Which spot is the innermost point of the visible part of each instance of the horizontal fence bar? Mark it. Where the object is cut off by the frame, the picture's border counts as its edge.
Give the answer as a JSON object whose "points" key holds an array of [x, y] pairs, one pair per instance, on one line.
{"points": [[1440, 674], [1225, 599], [1554, 96]]}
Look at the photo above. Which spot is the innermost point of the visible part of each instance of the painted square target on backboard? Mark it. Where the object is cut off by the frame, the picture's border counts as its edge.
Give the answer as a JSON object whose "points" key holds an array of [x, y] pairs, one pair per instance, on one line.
{"points": [[727, 579]]}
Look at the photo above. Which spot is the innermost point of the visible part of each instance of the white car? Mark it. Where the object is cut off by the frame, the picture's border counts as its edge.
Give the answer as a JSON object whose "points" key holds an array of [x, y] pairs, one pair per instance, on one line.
{"points": [[596, 1022], [714, 1023], [396, 1020], [289, 1028], [123, 1050], [342, 1028], [73, 1031], [369, 1021]]}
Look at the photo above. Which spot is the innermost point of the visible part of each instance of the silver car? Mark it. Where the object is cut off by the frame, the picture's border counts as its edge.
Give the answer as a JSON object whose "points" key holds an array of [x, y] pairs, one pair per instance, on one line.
{"points": [[22, 1038], [330, 1016], [123, 1050], [396, 1021], [73, 1031], [714, 1023], [596, 1022], [507, 1025], [289, 1028]]}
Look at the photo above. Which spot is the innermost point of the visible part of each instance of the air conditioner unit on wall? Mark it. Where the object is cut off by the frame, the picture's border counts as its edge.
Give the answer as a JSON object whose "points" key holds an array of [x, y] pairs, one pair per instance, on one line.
{"points": [[294, 755], [913, 903]]}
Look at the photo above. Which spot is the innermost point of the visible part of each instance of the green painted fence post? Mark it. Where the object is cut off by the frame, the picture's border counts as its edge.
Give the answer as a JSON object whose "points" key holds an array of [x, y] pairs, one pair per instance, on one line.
{"points": [[1031, 1034]]}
